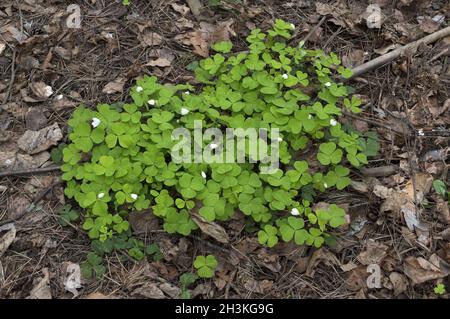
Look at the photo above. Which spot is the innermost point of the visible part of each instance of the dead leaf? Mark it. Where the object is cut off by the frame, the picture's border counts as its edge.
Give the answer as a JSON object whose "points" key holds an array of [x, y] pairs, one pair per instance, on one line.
{"points": [[373, 16], [161, 62], [319, 256], [211, 229], [143, 221], [72, 282], [10, 33], [357, 279], [115, 86], [149, 290], [442, 208], [150, 39], [206, 35], [41, 290], [196, 6], [354, 58], [374, 253], [399, 282], [7, 238], [35, 119], [428, 25], [180, 8], [33, 142], [420, 270], [41, 90]]}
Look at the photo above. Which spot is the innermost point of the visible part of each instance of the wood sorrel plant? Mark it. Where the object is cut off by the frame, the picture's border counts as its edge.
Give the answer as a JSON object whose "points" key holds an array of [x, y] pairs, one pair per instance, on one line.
{"points": [[119, 156]]}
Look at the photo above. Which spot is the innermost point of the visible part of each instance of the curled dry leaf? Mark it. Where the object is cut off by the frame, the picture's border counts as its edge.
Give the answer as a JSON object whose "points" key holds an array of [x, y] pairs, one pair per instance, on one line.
{"points": [[319, 256], [211, 229], [442, 208], [161, 62], [180, 8], [399, 283], [72, 282], [143, 221], [150, 39], [41, 90], [7, 238], [33, 142], [374, 253], [115, 86], [42, 289], [420, 270]]}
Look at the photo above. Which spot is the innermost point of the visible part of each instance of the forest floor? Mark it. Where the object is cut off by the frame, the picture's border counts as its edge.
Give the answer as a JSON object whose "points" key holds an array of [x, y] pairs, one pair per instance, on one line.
{"points": [[397, 220]]}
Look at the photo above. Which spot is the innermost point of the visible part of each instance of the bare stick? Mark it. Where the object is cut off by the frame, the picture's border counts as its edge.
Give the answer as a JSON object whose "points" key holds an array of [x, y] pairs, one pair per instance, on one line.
{"points": [[26, 172], [389, 57]]}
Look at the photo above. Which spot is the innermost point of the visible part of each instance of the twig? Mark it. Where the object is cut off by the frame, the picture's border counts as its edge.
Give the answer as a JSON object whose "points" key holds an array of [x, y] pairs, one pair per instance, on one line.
{"points": [[26, 172], [389, 57], [380, 171], [32, 205], [230, 281], [13, 77]]}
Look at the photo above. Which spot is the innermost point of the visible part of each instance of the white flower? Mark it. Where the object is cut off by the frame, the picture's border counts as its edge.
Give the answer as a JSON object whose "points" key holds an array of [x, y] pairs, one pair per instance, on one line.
{"points": [[203, 174], [187, 92], [420, 132], [184, 111], [101, 195], [279, 139], [309, 116], [95, 122], [295, 212], [325, 185], [285, 76], [151, 102], [139, 89], [328, 84], [333, 122], [292, 26], [213, 146], [48, 91], [134, 196]]}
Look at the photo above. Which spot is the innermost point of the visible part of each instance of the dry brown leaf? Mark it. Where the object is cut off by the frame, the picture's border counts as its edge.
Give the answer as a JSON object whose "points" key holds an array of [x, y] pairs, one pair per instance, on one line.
{"points": [[115, 86], [72, 282], [420, 270], [41, 90], [442, 208], [10, 33], [374, 253], [428, 25], [161, 62], [143, 221], [399, 283], [150, 39], [354, 58], [41, 290], [7, 238], [35, 119], [211, 229], [33, 142], [180, 8], [196, 6], [149, 290], [357, 279], [319, 256]]}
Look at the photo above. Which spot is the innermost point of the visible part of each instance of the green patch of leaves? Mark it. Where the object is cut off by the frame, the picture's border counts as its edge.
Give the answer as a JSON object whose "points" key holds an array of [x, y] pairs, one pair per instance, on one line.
{"points": [[205, 265]]}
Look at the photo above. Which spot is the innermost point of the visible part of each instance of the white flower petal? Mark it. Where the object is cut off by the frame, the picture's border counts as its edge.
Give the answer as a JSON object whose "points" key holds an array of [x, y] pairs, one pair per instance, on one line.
{"points": [[285, 76], [309, 116], [280, 139], [213, 146], [292, 26], [333, 122], [151, 102], [295, 212], [187, 92], [184, 111], [101, 195], [328, 84], [134, 196], [325, 185], [203, 174], [139, 89], [95, 122]]}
